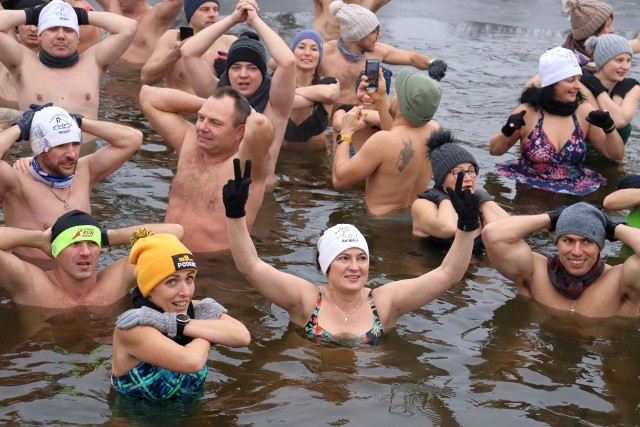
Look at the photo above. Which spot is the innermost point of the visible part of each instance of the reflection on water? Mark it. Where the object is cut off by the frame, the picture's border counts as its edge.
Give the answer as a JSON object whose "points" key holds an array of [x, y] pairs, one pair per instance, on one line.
{"points": [[479, 355]]}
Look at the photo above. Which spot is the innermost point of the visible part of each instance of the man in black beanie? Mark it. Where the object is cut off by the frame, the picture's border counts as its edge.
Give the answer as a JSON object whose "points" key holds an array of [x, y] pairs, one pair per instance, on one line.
{"points": [[74, 241], [575, 279], [166, 62], [247, 69]]}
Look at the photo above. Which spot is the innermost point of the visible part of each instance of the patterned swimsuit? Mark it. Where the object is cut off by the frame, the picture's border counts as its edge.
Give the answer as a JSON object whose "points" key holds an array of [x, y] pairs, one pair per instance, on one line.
{"points": [[151, 382], [315, 332], [542, 166]]}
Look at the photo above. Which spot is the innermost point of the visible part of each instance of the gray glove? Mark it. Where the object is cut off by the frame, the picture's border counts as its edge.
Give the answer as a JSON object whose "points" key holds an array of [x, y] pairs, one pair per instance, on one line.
{"points": [[208, 309], [145, 316]]}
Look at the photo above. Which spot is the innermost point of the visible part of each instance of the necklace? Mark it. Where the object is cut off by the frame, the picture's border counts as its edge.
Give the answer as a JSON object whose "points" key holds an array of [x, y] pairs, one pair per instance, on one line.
{"points": [[66, 199], [346, 316]]}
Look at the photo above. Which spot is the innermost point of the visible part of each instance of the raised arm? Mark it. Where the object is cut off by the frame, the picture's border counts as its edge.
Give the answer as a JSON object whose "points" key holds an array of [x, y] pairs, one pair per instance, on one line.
{"points": [[631, 267], [121, 32], [164, 107], [347, 171], [627, 198], [203, 80], [123, 141], [166, 11], [20, 278], [397, 298], [511, 132], [394, 56], [11, 52], [162, 59], [8, 180], [283, 85], [507, 251]]}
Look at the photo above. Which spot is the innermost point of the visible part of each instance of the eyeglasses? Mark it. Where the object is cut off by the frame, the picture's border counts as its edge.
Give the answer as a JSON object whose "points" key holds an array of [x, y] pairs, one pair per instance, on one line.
{"points": [[473, 172]]}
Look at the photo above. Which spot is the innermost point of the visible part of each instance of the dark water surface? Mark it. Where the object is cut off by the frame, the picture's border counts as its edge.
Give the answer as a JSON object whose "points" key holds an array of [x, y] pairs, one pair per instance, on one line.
{"points": [[479, 355]]}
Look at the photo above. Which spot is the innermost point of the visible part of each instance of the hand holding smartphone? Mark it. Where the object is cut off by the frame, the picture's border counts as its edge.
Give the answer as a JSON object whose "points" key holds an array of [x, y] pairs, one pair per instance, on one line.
{"points": [[185, 32], [371, 71]]}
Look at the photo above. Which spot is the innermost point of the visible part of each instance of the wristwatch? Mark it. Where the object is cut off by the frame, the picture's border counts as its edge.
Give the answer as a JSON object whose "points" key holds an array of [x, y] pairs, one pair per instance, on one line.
{"points": [[342, 138], [181, 322]]}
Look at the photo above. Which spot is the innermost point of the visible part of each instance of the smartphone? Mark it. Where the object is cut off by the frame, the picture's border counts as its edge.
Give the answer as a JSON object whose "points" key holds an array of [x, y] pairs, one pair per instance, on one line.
{"points": [[371, 71], [185, 32]]}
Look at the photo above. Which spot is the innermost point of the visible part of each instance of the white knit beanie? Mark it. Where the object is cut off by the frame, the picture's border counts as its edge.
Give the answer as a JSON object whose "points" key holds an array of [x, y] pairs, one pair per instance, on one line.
{"points": [[356, 22], [557, 64]]}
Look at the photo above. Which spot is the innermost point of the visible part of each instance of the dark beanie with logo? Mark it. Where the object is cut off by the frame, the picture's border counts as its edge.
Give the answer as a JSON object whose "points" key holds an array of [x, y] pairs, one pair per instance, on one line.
{"points": [[248, 48], [445, 154], [190, 6]]}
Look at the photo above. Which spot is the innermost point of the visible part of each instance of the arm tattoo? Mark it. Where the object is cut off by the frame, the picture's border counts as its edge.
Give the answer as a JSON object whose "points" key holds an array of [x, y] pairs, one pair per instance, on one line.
{"points": [[405, 156]]}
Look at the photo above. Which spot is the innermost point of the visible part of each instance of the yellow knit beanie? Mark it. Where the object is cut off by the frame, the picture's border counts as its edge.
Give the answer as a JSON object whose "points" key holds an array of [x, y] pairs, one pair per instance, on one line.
{"points": [[157, 257]]}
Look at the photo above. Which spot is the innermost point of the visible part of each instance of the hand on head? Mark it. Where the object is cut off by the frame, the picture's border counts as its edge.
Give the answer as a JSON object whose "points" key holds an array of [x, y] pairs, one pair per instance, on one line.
{"points": [[24, 123], [466, 205], [553, 217], [235, 192]]}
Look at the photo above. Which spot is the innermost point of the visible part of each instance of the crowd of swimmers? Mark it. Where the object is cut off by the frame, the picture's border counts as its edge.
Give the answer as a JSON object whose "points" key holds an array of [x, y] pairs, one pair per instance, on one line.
{"points": [[248, 106]]}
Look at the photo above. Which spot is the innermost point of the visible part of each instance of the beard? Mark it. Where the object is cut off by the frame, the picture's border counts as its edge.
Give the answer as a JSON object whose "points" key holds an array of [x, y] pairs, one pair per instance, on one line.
{"points": [[53, 168]]}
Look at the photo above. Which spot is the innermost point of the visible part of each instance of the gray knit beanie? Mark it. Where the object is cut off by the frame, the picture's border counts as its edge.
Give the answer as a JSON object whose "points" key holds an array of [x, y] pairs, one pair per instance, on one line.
{"points": [[248, 47], [584, 220], [356, 22], [587, 16], [606, 47], [445, 154]]}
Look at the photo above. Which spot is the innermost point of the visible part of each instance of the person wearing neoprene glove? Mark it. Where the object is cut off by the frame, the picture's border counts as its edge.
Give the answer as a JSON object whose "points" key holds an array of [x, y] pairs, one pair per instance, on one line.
{"points": [[574, 278], [344, 310], [514, 123], [220, 63], [433, 213], [24, 123], [437, 69], [235, 192], [556, 108], [163, 342], [314, 97], [612, 89]]}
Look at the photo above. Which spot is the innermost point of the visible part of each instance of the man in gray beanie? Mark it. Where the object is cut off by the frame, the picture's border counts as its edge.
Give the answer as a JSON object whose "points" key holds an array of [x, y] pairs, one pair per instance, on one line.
{"points": [[575, 278], [393, 162], [432, 214], [345, 57]]}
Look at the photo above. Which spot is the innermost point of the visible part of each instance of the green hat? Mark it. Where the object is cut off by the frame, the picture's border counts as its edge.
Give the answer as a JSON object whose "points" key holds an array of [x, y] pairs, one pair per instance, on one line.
{"points": [[418, 97]]}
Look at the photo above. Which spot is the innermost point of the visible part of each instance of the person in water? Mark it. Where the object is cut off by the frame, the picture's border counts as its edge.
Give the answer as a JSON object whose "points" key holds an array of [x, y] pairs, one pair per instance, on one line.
{"points": [[161, 346], [552, 124], [345, 310], [575, 279], [432, 213]]}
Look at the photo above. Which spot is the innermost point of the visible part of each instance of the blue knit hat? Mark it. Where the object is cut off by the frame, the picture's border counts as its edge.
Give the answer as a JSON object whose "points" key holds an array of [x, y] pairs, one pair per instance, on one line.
{"points": [[311, 35], [190, 7]]}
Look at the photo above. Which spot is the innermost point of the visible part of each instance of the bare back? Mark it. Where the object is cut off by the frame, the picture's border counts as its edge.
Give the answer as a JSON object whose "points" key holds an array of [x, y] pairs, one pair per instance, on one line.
{"points": [[404, 170]]}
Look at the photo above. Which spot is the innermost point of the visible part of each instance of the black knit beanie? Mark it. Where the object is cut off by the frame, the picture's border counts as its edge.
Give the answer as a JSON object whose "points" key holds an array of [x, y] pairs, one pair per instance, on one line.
{"points": [[248, 48]]}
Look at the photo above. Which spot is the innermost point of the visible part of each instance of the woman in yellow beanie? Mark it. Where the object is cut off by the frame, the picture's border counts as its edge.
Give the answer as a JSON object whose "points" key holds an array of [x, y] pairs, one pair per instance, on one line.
{"points": [[160, 347]]}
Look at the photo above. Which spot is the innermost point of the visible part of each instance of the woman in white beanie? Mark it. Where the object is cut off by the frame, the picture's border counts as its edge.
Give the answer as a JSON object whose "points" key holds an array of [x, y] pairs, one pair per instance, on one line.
{"points": [[552, 124], [609, 88], [345, 310]]}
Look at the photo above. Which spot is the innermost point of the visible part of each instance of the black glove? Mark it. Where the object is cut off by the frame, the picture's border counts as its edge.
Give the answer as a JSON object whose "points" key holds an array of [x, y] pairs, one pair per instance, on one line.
{"points": [[483, 196], [610, 228], [78, 118], [220, 63], [24, 123], [235, 192], [33, 14], [434, 195], [592, 83], [83, 15], [602, 119], [437, 69], [466, 204], [327, 81], [553, 216], [514, 122], [621, 88]]}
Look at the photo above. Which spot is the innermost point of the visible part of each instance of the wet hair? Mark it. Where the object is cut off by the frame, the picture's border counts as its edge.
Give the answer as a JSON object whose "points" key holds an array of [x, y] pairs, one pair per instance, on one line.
{"points": [[240, 103]]}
